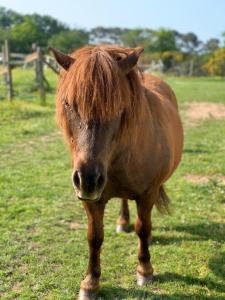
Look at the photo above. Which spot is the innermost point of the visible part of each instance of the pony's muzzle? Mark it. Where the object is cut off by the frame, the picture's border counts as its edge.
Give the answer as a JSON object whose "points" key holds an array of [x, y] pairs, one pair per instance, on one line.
{"points": [[88, 183]]}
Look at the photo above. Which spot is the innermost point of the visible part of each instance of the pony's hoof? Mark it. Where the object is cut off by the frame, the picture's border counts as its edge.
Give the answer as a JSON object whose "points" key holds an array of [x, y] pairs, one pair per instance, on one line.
{"points": [[144, 280], [87, 295], [122, 228]]}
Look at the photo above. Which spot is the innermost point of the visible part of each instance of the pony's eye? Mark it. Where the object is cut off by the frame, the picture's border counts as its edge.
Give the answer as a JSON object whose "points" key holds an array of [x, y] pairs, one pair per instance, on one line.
{"points": [[67, 106], [65, 103]]}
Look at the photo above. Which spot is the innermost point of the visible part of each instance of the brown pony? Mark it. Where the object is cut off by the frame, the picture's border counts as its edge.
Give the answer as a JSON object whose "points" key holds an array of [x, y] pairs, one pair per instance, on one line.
{"points": [[126, 140]]}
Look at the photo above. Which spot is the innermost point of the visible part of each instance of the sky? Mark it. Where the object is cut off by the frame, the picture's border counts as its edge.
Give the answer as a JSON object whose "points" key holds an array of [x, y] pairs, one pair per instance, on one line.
{"points": [[204, 17]]}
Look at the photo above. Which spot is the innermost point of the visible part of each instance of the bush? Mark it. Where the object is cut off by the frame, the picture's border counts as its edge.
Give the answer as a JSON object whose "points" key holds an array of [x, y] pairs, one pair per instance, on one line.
{"points": [[67, 41], [216, 63]]}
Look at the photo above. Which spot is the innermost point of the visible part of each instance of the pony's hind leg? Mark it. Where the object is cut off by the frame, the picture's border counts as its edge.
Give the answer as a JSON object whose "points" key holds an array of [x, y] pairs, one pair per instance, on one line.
{"points": [[143, 230], [123, 222]]}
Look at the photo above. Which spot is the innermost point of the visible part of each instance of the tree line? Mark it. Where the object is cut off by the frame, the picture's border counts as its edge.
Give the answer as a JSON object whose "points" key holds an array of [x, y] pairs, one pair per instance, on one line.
{"points": [[181, 53]]}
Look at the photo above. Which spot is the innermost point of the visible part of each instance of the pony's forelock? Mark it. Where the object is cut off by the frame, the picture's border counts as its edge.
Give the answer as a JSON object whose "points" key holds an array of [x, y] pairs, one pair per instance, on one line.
{"points": [[97, 87]]}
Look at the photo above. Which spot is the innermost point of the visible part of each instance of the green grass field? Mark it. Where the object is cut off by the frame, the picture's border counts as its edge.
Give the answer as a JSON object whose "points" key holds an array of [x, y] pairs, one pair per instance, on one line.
{"points": [[43, 226]]}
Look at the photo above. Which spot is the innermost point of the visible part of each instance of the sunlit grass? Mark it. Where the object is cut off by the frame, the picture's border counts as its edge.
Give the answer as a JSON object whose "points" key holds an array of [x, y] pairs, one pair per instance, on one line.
{"points": [[43, 227]]}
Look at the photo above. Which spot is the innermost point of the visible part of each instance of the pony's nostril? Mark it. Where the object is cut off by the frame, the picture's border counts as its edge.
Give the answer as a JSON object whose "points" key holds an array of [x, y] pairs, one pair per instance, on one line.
{"points": [[100, 181], [76, 179], [88, 181]]}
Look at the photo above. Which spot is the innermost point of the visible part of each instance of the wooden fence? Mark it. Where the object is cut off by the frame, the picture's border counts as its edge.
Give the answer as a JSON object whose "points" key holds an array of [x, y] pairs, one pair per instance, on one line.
{"points": [[12, 60], [38, 59]]}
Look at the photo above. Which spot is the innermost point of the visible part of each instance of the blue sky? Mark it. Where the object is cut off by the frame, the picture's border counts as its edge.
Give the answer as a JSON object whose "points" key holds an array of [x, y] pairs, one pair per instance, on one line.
{"points": [[204, 17]]}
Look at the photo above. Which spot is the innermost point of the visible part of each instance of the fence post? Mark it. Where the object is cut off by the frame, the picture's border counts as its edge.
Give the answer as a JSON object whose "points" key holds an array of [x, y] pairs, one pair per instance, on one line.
{"points": [[3, 62], [8, 71], [40, 74]]}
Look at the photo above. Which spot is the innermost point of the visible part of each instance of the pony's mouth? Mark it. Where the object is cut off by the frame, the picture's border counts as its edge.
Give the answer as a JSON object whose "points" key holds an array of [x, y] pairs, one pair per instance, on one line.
{"points": [[88, 200]]}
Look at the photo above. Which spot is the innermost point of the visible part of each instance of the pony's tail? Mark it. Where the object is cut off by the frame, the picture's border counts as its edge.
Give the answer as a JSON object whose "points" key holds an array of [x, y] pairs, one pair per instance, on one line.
{"points": [[163, 201]]}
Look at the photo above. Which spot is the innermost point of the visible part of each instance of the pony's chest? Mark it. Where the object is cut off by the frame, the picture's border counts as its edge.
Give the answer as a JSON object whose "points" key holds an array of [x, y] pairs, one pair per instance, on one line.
{"points": [[127, 184]]}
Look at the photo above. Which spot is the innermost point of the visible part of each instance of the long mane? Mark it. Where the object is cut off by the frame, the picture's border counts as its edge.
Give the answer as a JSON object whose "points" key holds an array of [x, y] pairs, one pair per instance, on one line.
{"points": [[95, 85]]}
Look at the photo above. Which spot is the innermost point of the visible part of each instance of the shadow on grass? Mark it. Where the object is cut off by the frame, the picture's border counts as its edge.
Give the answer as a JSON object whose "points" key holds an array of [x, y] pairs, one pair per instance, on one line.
{"points": [[20, 114], [26, 115], [195, 151], [212, 231], [164, 240], [199, 232], [189, 280], [108, 292], [217, 265]]}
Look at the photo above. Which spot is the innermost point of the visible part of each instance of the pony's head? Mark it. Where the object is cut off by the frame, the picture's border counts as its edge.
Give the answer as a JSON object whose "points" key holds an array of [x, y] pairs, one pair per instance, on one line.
{"points": [[97, 99]]}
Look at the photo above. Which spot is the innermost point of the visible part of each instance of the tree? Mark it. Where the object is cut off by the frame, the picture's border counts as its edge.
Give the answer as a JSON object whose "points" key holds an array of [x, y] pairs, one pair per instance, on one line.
{"points": [[171, 59], [24, 34], [9, 18], [23, 30], [216, 63], [190, 43], [223, 35], [137, 37], [211, 45], [48, 25], [67, 41], [164, 45], [109, 35], [163, 40], [4, 35]]}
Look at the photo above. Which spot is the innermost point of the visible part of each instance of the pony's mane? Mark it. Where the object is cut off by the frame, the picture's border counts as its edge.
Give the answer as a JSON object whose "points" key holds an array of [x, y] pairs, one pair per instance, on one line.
{"points": [[96, 85]]}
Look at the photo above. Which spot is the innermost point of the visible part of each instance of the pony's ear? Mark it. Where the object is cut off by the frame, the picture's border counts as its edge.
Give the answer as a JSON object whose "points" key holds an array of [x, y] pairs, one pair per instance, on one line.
{"points": [[126, 64], [62, 59]]}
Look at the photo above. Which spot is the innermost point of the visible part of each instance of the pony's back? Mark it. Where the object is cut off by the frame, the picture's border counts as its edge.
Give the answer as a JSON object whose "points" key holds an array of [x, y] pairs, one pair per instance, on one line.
{"points": [[160, 88]]}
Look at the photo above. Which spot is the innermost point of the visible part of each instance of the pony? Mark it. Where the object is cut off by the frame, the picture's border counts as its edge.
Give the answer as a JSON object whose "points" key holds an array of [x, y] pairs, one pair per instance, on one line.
{"points": [[126, 138]]}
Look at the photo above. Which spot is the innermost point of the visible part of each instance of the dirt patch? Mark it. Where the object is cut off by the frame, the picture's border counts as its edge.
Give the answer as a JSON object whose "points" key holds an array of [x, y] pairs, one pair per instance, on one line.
{"points": [[199, 179], [200, 111], [34, 246], [16, 286], [73, 225]]}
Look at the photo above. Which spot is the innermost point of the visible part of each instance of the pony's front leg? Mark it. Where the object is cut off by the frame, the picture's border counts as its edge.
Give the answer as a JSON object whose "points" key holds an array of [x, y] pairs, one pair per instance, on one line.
{"points": [[143, 230], [95, 235]]}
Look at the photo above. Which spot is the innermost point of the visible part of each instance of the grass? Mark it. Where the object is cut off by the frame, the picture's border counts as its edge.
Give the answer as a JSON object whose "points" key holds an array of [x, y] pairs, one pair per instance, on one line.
{"points": [[198, 88], [43, 227]]}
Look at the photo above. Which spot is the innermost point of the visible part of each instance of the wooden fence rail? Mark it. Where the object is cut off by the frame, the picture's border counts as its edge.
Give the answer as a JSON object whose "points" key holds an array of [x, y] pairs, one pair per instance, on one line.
{"points": [[11, 60]]}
